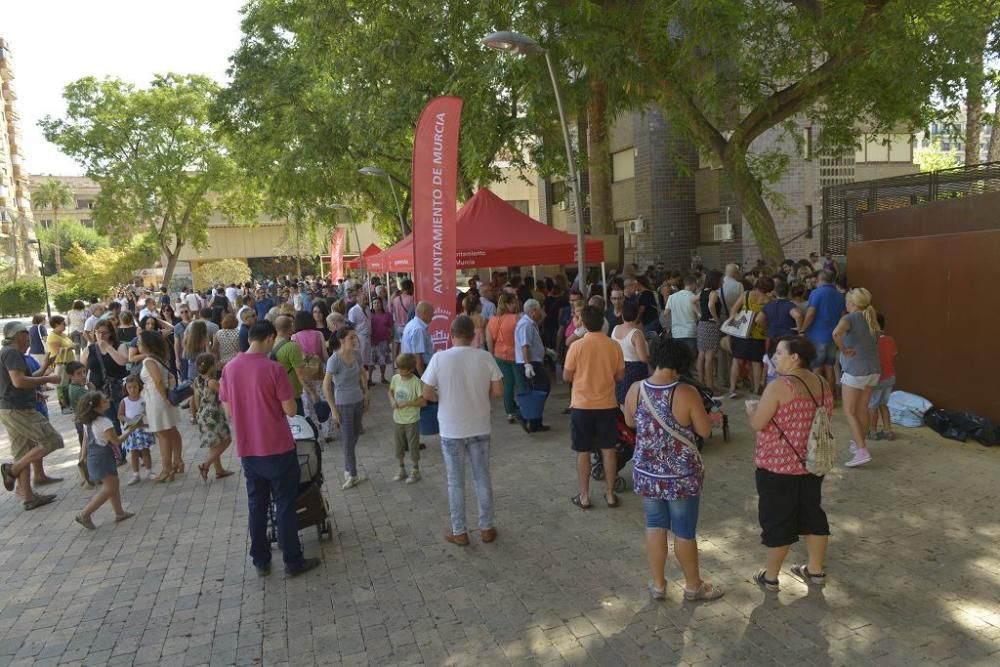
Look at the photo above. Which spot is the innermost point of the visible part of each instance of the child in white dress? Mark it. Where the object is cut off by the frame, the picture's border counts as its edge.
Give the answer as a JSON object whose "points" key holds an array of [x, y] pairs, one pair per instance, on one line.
{"points": [[132, 410]]}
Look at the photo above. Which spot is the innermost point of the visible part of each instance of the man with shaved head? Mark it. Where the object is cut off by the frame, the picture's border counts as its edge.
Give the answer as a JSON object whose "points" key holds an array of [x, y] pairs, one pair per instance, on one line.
{"points": [[417, 336]]}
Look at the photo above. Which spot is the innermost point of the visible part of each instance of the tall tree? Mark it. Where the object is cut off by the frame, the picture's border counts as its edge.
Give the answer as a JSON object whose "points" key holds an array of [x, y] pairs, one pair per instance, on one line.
{"points": [[320, 89], [162, 166], [727, 71], [54, 194]]}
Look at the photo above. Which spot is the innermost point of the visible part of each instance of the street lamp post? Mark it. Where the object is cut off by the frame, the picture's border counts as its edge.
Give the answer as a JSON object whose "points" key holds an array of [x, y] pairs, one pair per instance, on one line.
{"points": [[377, 171], [517, 44], [41, 270]]}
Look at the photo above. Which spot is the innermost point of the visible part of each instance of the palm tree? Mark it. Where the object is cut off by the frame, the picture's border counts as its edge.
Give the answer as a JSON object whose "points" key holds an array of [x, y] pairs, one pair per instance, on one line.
{"points": [[54, 194]]}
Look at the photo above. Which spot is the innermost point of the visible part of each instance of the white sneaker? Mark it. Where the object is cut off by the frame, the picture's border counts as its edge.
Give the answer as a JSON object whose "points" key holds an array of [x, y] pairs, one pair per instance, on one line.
{"points": [[351, 482], [149, 474], [861, 457], [853, 447], [400, 476], [135, 479]]}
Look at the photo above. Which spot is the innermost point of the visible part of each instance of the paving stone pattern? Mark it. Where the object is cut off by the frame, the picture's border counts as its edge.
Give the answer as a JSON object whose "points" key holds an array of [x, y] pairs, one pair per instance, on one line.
{"points": [[914, 568]]}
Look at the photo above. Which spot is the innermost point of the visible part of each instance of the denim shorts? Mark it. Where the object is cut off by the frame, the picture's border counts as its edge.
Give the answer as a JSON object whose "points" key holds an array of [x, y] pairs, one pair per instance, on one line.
{"points": [[881, 393], [679, 516], [826, 354]]}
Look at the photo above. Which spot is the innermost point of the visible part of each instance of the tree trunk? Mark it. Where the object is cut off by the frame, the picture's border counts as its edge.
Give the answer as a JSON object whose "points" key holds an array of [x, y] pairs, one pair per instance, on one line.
{"points": [[599, 160], [172, 257], [994, 155], [974, 103], [747, 191]]}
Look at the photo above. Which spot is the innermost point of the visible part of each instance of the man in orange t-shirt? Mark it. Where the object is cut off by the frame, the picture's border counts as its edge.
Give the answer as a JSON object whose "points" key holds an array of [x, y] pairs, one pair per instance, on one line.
{"points": [[593, 365]]}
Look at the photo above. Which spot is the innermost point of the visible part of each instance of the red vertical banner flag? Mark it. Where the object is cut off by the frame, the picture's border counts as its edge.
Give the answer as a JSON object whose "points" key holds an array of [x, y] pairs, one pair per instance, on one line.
{"points": [[337, 255], [435, 176]]}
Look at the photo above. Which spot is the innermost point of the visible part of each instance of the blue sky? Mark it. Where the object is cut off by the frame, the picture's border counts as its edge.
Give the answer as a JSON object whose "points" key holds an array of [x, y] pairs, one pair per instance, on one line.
{"points": [[54, 42]]}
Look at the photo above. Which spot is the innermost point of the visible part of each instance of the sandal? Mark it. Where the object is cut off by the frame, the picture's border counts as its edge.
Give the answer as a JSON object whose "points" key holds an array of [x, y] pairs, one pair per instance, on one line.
{"points": [[39, 500], [179, 468], [7, 469], [802, 573], [760, 578], [612, 503], [224, 473], [85, 521], [163, 477], [122, 517], [704, 592], [657, 593], [579, 503], [203, 471]]}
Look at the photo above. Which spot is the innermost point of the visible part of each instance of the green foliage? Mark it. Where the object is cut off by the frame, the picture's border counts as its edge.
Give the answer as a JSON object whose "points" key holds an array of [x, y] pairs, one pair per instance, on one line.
{"points": [[68, 232], [161, 165], [64, 299], [22, 297], [321, 89], [100, 271], [224, 272], [933, 158]]}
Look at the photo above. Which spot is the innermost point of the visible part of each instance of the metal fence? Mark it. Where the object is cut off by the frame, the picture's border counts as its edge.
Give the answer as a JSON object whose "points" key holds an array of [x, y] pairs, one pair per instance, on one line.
{"points": [[843, 205]]}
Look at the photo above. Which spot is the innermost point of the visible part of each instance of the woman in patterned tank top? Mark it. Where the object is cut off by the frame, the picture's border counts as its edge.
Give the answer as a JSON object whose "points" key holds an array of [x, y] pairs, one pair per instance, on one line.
{"points": [[667, 471], [789, 497]]}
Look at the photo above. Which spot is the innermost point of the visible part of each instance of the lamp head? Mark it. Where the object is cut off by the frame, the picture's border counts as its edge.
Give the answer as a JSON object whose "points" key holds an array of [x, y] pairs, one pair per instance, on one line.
{"points": [[513, 42], [372, 171]]}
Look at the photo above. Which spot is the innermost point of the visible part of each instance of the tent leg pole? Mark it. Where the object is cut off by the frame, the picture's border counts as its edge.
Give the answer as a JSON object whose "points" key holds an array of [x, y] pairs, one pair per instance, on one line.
{"points": [[490, 270], [534, 274], [604, 283]]}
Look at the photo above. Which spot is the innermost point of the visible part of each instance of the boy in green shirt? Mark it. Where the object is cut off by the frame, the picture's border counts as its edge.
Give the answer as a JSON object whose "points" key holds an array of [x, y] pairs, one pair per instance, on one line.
{"points": [[75, 390], [406, 398]]}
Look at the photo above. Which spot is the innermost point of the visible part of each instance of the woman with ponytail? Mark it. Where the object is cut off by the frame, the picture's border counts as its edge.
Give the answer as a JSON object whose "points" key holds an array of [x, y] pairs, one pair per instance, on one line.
{"points": [[856, 336]]}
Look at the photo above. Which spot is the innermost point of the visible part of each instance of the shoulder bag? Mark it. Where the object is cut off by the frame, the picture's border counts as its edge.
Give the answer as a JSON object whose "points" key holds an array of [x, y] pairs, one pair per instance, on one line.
{"points": [[739, 324], [674, 433], [820, 447]]}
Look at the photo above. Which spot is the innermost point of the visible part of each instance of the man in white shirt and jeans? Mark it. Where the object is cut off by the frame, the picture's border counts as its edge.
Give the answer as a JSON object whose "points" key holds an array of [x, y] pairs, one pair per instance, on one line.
{"points": [[463, 379]]}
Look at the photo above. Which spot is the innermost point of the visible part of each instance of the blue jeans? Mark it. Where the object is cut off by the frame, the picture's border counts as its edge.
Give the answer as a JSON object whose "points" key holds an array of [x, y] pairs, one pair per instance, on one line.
{"points": [[679, 516], [183, 371], [273, 478], [539, 383], [454, 451]]}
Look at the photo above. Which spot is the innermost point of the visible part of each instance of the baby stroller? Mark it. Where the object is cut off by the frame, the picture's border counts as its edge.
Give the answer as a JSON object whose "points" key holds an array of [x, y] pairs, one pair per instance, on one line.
{"points": [[624, 450], [311, 507]]}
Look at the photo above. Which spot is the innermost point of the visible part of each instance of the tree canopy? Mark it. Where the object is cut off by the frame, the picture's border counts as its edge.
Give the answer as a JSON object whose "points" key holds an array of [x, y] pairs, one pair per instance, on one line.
{"points": [[162, 166]]}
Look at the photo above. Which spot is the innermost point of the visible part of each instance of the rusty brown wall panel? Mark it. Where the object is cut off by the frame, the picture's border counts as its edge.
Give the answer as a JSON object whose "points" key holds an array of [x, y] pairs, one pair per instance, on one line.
{"points": [[948, 216], [941, 301]]}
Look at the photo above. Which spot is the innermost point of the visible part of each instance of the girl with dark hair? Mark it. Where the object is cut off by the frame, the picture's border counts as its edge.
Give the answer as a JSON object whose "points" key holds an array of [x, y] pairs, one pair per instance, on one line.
{"points": [[630, 338], [211, 419], [346, 389], [106, 365], [320, 311], [710, 305], [162, 416], [101, 465], [789, 496], [667, 470]]}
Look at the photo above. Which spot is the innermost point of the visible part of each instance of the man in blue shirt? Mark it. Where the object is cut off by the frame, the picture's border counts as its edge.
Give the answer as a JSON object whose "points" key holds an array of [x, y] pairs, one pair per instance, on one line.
{"points": [[416, 337], [248, 318], [264, 304], [826, 307], [529, 353]]}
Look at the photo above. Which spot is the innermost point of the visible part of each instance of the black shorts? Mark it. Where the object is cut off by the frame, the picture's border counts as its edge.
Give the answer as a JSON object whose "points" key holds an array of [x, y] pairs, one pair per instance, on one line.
{"points": [[789, 506], [748, 349], [593, 429]]}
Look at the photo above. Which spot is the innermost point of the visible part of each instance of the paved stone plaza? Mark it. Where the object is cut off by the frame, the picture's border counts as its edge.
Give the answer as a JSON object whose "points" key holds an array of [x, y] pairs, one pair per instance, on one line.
{"points": [[914, 564]]}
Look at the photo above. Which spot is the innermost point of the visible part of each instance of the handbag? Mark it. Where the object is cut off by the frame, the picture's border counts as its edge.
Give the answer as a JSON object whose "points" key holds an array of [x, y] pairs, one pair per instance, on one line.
{"points": [[739, 324], [179, 392], [112, 387]]}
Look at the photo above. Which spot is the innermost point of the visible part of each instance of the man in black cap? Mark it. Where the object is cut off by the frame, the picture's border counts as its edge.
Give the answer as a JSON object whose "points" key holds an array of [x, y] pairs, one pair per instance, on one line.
{"points": [[31, 435]]}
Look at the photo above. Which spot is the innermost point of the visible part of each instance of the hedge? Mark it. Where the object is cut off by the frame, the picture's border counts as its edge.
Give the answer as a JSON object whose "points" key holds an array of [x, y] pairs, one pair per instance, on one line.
{"points": [[64, 299], [22, 297]]}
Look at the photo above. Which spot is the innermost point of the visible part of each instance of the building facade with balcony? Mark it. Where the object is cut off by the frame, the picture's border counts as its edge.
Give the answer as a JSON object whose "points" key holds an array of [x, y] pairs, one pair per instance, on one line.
{"points": [[85, 193], [17, 230]]}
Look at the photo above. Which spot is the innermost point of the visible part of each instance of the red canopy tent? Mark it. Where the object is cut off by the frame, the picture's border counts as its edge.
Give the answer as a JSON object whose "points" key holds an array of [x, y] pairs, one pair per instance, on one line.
{"points": [[491, 232], [367, 254]]}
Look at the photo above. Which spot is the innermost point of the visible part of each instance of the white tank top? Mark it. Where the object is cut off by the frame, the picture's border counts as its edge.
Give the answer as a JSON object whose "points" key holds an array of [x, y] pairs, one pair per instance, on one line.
{"points": [[628, 347], [133, 408]]}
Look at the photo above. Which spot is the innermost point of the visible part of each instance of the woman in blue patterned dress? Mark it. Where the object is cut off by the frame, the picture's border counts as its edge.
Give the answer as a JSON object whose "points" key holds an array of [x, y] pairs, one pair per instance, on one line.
{"points": [[666, 468]]}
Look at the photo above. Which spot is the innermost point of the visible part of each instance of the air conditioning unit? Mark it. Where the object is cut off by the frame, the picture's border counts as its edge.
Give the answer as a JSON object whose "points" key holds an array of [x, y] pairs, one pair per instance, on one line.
{"points": [[637, 226], [722, 232]]}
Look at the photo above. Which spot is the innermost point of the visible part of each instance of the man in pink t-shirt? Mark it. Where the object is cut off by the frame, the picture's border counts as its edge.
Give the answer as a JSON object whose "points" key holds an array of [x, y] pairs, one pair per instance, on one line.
{"points": [[257, 396]]}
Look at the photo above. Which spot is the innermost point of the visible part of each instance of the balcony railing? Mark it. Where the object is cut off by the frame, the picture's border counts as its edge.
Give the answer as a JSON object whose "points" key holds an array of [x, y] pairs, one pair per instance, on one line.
{"points": [[843, 205]]}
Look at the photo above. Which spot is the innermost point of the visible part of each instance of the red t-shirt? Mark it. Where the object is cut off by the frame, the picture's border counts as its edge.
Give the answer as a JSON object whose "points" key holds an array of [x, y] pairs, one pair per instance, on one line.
{"points": [[253, 387], [886, 356]]}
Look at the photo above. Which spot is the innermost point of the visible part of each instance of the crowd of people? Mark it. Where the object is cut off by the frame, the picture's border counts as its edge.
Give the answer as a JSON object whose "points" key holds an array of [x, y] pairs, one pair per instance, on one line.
{"points": [[238, 359]]}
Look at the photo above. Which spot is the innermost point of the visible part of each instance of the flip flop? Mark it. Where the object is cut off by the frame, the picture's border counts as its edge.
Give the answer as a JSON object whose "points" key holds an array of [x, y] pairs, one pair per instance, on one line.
{"points": [[224, 473], [610, 503], [579, 503], [8, 476]]}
